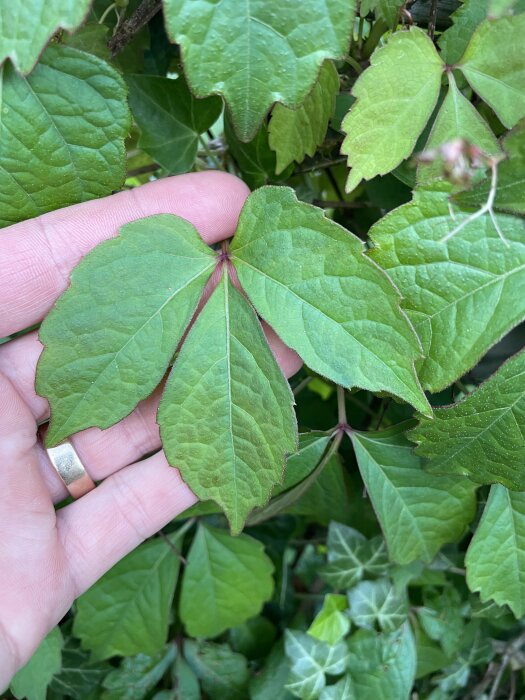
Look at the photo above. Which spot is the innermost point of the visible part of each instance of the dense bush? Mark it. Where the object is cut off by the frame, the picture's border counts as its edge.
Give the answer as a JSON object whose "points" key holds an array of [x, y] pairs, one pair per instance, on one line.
{"points": [[384, 242]]}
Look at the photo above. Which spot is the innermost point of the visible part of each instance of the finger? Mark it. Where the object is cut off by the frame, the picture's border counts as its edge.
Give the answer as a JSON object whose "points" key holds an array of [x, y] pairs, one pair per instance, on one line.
{"points": [[107, 523], [24, 501], [36, 256]]}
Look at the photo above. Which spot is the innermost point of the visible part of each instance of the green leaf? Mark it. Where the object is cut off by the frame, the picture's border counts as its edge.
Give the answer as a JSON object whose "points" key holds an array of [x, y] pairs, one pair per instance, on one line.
{"points": [[388, 10], [462, 295], [226, 581], [27, 25], [254, 638], [383, 125], [226, 417], [112, 334], [331, 623], [299, 465], [457, 119], [510, 192], [497, 8], [377, 603], [493, 65], [62, 136], [465, 19], [482, 436], [310, 661], [255, 159], [342, 690], [294, 134], [382, 666], [32, 680], [170, 119], [495, 559], [430, 656], [222, 673], [137, 675], [127, 611], [91, 37], [269, 683], [257, 54], [442, 620], [418, 512], [185, 681], [310, 280], [351, 556], [79, 676]]}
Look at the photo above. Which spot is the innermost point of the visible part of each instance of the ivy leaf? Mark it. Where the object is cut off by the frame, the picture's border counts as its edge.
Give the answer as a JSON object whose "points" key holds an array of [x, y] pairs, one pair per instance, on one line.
{"points": [[226, 417], [255, 159], [465, 19], [257, 54], [117, 320], [351, 556], [226, 581], [382, 666], [482, 436], [384, 123], [137, 675], [32, 680], [493, 65], [24, 37], [222, 672], [294, 134], [310, 280], [495, 559], [510, 192], [418, 512], [342, 690], [51, 156], [462, 295], [127, 610], [310, 661], [331, 623], [457, 119], [79, 676], [170, 119], [377, 602]]}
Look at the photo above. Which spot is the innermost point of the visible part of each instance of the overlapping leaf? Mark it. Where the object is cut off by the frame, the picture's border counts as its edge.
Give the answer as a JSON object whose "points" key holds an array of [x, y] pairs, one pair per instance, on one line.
{"points": [[351, 556], [226, 581], [494, 66], [462, 295], [383, 125], [294, 134], [257, 53], [377, 603], [222, 672], [331, 623], [382, 666], [465, 19], [24, 36], [418, 512], [482, 436], [114, 331], [127, 611], [137, 675], [495, 559], [255, 159], [62, 136], [170, 119], [310, 280], [226, 417], [310, 660]]}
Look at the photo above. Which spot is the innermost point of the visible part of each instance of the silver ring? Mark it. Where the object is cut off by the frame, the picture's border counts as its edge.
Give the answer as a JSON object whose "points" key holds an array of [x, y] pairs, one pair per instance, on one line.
{"points": [[70, 469]]}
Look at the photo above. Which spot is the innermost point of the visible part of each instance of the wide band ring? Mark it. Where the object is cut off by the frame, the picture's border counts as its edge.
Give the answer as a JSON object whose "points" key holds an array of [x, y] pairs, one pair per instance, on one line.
{"points": [[70, 469]]}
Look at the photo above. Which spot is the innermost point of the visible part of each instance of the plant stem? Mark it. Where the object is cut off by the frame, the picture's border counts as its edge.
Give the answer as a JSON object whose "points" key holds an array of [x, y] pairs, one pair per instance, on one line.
{"points": [[106, 12], [432, 16], [302, 384], [341, 406], [339, 204], [143, 170], [355, 65], [142, 15], [210, 153]]}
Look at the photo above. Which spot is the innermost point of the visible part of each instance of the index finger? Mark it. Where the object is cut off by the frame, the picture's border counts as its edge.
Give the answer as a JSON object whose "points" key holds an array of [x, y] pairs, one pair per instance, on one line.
{"points": [[36, 256]]}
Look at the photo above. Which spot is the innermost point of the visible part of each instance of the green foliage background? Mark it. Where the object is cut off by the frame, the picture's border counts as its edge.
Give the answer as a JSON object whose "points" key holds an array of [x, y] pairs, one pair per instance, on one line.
{"points": [[390, 562]]}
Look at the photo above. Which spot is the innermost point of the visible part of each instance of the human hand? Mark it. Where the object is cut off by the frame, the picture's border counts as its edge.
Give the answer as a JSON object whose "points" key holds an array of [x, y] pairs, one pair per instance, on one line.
{"points": [[49, 558]]}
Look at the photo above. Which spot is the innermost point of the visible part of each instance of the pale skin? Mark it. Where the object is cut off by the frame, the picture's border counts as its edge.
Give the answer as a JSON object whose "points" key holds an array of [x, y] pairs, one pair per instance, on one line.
{"points": [[47, 557]]}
